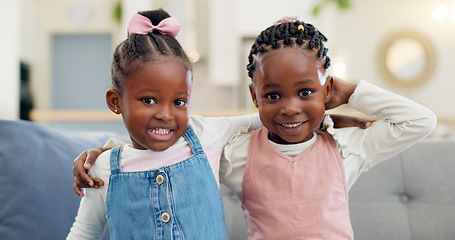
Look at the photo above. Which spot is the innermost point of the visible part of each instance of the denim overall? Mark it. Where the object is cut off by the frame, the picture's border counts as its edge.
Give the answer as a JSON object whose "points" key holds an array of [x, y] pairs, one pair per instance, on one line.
{"points": [[180, 201]]}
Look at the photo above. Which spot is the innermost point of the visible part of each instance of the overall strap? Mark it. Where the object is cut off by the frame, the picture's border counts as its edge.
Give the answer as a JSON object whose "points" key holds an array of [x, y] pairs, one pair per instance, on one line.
{"points": [[115, 159], [192, 139]]}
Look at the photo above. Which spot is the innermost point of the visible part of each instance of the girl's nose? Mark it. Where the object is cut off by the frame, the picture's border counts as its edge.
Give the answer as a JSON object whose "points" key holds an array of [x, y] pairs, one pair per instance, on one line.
{"points": [[291, 107], [164, 113]]}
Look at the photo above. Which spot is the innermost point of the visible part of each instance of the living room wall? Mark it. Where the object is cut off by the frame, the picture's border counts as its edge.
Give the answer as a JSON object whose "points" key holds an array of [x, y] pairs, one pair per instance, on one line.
{"points": [[360, 31], [223, 27], [355, 39]]}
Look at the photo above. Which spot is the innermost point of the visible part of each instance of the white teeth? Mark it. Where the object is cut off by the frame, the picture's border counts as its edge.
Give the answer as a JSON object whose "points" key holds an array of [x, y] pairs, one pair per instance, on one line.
{"points": [[160, 131], [291, 125]]}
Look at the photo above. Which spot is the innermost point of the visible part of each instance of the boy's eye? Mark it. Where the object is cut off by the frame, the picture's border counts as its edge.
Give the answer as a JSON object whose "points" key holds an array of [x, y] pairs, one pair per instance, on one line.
{"points": [[305, 92], [272, 96], [180, 102], [148, 100]]}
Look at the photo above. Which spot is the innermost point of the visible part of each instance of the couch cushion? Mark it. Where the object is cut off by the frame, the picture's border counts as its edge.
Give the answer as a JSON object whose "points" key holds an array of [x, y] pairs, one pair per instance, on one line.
{"points": [[410, 196], [37, 198]]}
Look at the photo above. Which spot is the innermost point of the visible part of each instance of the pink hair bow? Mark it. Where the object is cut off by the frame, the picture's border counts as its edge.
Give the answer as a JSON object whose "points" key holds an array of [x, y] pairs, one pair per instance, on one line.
{"points": [[142, 25]]}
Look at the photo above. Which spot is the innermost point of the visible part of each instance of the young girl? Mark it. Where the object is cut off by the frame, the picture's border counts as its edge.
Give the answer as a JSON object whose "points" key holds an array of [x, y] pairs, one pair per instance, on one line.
{"points": [[292, 180], [179, 198]]}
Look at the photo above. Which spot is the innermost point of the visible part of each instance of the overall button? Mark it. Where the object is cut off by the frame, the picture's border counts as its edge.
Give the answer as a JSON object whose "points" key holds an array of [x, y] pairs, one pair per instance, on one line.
{"points": [[165, 217], [159, 179]]}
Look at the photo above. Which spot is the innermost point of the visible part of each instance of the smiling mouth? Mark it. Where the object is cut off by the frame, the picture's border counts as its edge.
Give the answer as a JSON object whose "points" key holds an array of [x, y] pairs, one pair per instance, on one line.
{"points": [[292, 125], [160, 131]]}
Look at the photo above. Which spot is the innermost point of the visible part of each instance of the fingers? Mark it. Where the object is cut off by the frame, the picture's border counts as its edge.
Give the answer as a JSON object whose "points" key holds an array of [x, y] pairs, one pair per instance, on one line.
{"points": [[361, 123], [78, 190], [78, 185], [84, 184], [81, 177], [97, 182], [90, 159], [80, 167], [342, 121], [92, 154], [367, 124], [340, 94], [354, 122]]}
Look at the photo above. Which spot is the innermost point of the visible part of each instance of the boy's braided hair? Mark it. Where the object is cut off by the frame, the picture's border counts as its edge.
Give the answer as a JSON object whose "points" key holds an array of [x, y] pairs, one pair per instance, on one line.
{"points": [[139, 48], [288, 32]]}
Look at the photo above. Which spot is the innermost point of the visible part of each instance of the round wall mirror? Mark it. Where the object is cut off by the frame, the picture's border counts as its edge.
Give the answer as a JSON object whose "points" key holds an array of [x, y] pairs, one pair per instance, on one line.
{"points": [[407, 59]]}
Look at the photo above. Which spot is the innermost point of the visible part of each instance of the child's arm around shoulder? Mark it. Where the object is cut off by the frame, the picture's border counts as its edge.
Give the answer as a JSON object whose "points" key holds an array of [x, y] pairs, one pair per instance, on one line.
{"points": [[400, 123], [84, 162], [224, 128], [90, 222]]}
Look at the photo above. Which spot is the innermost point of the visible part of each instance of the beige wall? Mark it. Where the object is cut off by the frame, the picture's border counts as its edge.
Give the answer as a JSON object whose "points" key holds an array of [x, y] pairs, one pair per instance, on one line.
{"points": [[218, 28], [65, 17], [359, 33], [355, 39], [9, 62]]}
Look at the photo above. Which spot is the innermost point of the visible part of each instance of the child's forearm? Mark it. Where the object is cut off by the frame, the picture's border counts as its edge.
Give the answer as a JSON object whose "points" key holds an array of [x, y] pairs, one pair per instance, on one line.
{"points": [[401, 122], [375, 101]]}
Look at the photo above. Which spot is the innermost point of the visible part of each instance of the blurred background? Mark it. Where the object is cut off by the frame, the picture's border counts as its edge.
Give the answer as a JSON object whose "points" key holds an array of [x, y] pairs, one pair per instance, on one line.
{"points": [[56, 55]]}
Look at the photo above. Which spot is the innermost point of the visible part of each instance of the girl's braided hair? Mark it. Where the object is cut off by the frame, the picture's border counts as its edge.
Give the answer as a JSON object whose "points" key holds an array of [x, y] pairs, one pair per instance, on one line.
{"points": [[288, 32], [139, 48]]}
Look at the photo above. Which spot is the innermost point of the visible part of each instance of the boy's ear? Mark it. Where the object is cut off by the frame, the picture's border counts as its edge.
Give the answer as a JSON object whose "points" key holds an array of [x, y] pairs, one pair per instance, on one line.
{"points": [[113, 101], [253, 95], [328, 88]]}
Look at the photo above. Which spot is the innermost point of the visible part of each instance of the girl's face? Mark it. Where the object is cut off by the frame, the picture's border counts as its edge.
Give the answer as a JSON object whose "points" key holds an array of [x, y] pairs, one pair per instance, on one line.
{"points": [[290, 93], [154, 104]]}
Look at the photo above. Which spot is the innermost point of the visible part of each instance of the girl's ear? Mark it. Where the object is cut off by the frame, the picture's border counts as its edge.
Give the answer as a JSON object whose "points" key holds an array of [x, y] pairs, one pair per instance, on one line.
{"points": [[253, 95], [328, 88], [113, 101]]}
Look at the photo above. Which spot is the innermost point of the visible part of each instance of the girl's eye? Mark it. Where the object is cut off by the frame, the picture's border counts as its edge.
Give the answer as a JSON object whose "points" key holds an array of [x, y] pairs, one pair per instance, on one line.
{"points": [[272, 96], [148, 100], [305, 92], [180, 102]]}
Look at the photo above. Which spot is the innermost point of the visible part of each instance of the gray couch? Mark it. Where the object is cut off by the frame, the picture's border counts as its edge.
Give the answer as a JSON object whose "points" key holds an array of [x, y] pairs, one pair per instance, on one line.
{"points": [[411, 196]]}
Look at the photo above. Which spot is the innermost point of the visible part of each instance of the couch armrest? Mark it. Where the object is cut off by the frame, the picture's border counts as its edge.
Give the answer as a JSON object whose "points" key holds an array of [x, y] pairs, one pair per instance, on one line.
{"points": [[38, 201]]}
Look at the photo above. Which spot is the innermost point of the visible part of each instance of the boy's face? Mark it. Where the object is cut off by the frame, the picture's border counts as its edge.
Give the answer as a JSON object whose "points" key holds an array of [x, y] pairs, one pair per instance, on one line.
{"points": [[290, 93], [154, 104]]}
